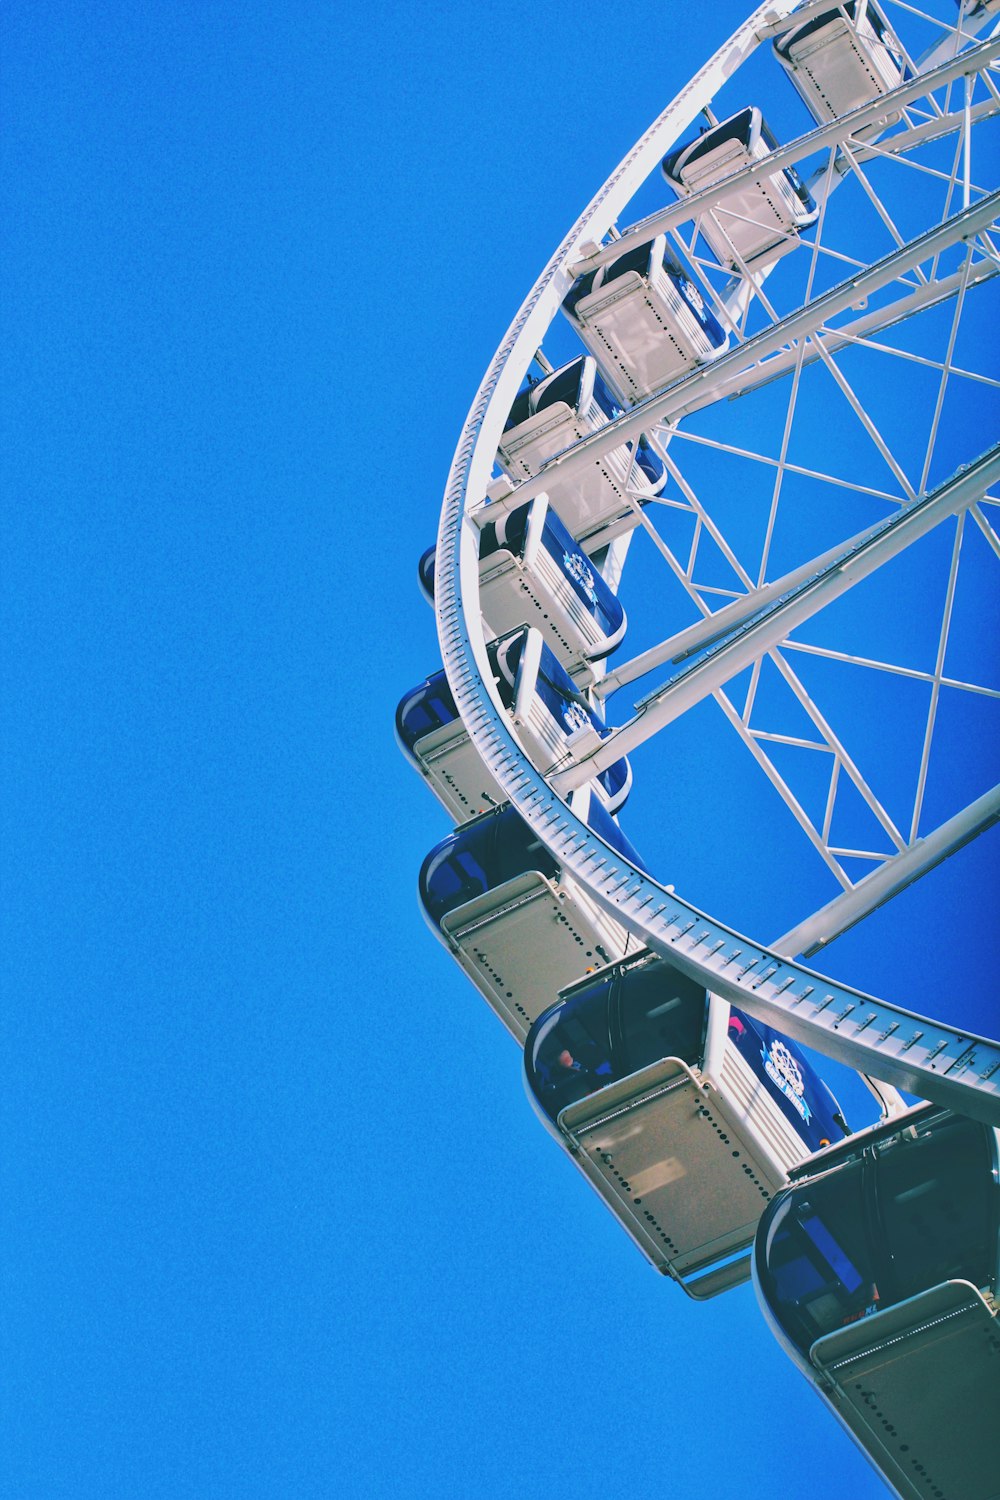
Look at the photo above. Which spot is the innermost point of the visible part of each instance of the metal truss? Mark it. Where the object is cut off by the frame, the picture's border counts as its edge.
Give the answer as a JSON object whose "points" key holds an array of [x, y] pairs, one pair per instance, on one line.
{"points": [[759, 620]]}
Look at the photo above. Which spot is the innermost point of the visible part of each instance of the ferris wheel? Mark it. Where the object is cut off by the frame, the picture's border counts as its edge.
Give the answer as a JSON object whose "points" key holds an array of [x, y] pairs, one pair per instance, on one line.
{"points": [[734, 455]]}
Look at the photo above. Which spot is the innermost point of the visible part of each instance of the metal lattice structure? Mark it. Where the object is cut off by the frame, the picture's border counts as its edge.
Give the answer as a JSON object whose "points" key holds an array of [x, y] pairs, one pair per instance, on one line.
{"points": [[812, 324]]}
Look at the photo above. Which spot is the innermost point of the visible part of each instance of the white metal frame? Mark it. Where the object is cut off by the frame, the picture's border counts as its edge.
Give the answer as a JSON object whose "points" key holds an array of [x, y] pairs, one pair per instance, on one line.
{"points": [[888, 1041]]}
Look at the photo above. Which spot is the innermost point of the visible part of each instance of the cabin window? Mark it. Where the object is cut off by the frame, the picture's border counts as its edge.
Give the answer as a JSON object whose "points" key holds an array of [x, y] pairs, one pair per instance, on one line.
{"points": [[427, 709], [936, 1210], [562, 387], [506, 534]]}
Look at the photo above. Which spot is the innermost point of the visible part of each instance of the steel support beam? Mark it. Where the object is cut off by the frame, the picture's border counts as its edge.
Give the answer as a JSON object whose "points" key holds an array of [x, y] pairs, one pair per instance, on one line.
{"points": [[891, 877], [921, 1055], [825, 136], [718, 379], [832, 340], [713, 627], [855, 562]]}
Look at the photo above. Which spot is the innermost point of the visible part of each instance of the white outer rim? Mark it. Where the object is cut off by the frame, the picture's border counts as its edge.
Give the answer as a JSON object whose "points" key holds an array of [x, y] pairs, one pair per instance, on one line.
{"points": [[887, 1041]]}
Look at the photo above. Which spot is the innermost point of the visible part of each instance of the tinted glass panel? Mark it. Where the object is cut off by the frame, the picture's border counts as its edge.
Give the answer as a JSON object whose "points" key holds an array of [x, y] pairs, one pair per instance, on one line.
{"points": [[604, 399], [736, 129], [563, 386], [633, 260], [937, 1209], [506, 533], [648, 462], [799, 188], [616, 778], [912, 1211], [581, 288], [607, 829], [628, 1017], [520, 411], [426, 708], [568, 1055], [425, 571], [660, 1013], [478, 858], [817, 1272]]}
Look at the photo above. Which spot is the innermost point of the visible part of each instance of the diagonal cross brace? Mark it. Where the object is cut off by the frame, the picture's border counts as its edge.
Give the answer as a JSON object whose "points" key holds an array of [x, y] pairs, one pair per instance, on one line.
{"points": [[773, 623]]}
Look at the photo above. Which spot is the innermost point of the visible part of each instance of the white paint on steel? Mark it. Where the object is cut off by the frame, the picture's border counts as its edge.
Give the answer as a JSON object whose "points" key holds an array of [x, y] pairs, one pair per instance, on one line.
{"points": [[892, 1043]]}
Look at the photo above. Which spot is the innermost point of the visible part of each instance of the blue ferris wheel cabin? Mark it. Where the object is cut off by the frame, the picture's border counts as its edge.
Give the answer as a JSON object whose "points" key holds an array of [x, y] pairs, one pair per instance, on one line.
{"points": [[842, 58], [683, 1113], [601, 501], [520, 925], [756, 218], [877, 1269], [549, 714], [646, 319], [532, 572]]}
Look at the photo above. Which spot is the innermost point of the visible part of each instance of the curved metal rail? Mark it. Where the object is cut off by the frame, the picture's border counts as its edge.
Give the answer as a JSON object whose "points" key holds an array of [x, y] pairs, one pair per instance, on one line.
{"points": [[888, 1041]]}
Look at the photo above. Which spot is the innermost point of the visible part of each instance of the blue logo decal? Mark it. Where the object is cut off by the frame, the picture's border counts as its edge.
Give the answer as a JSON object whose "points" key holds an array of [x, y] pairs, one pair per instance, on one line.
{"points": [[786, 1075]]}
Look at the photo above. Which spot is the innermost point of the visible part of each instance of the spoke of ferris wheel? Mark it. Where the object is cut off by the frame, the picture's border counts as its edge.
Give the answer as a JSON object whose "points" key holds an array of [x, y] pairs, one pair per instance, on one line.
{"points": [[682, 435], [953, 31], [825, 136], [844, 337], [684, 643], [952, 184], [752, 740], [879, 207], [723, 661], [843, 761], [990, 85], [828, 742], [892, 876], [945, 374], [845, 388], [859, 411], [894, 147], [779, 474], [835, 339], [806, 648], [987, 530], [938, 675], [729, 371]]}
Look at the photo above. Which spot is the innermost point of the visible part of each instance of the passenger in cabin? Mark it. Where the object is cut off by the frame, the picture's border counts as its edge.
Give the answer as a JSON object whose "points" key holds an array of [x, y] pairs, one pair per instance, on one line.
{"points": [[568, 1061], [571, 1078]]}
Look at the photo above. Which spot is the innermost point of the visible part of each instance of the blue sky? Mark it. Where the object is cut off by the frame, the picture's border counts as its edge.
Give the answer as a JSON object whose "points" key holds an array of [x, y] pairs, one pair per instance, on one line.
{"points": [[277, 1217]]}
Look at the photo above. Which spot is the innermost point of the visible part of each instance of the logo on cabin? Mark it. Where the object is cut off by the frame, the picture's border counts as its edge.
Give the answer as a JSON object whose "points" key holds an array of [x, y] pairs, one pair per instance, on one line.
{"points": [[577, 569], [692, 295], [574, 718], [783, 1071]]}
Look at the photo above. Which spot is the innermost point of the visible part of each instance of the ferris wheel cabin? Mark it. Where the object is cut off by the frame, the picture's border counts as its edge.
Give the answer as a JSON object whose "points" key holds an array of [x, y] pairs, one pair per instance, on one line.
{"points": [[644, 320], [878, 1271], [841, 59], [532, 572], [553, 414], [747, 222], [551, 718], [425, 573], [683, 1114], [520, 926]]}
